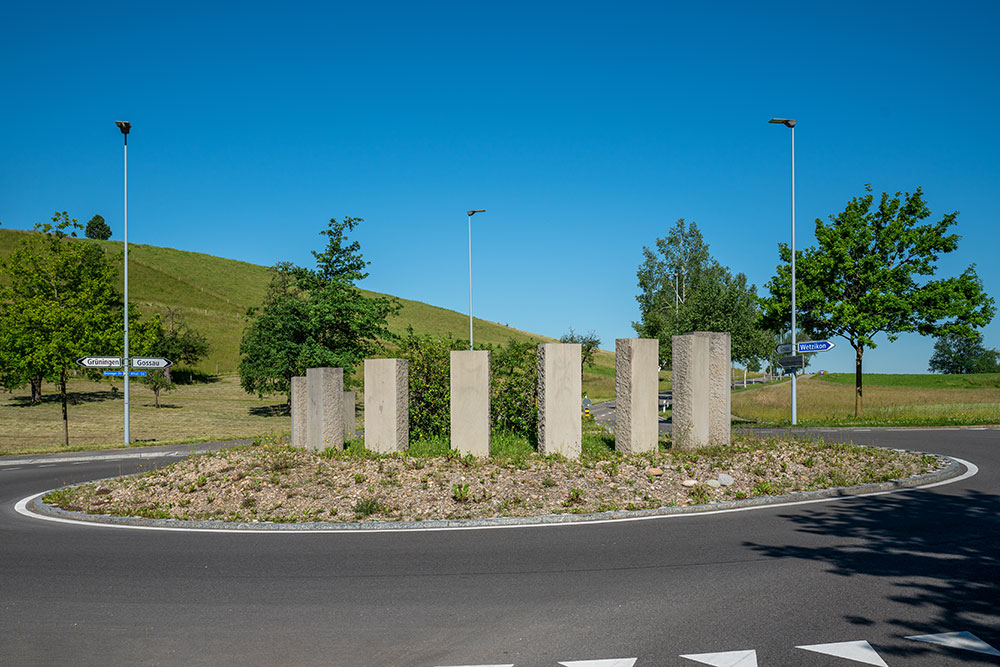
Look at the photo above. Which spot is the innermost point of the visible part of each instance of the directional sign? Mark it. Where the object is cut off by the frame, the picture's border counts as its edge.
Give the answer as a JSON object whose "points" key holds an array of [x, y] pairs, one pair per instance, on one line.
{"points": [[815, 346], [113, 373], [100, 362], [151, 362], [132, 374], [793, 361], [784, 348]]}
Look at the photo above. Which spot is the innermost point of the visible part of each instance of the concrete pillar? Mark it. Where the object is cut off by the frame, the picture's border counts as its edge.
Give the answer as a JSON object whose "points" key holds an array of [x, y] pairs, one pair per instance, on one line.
{"points": [[720, 389], [701, 390], [350, 407], [299, 411], [325, 409], [637, 379], [559, 390], [387, 405], [470, 402]]}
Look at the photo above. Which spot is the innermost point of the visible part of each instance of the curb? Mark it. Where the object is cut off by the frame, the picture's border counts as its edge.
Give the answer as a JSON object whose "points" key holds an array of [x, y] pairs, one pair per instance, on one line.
{"points": [[952, 470]]}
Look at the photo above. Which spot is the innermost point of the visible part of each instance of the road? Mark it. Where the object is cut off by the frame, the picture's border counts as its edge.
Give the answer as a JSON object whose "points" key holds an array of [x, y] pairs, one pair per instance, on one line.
{"points": [[855, 575]]}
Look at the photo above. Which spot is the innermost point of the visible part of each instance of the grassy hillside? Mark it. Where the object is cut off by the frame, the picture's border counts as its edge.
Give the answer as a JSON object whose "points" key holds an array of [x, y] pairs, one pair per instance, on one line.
{"points": [[213, 295]]}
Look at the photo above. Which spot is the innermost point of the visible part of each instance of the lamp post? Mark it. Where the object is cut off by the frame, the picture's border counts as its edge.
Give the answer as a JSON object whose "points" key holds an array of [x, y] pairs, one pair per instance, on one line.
{"points": [[471, 213], [125, 126], [790, 124]]}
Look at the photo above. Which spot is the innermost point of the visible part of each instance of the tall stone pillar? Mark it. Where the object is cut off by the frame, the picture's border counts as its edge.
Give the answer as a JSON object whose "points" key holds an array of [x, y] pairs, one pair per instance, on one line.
{"points": [[299, 401], [559, 389], [325, 409], [637, 381], [701, 391], [350, 406], [470, 402], [387, 405]]}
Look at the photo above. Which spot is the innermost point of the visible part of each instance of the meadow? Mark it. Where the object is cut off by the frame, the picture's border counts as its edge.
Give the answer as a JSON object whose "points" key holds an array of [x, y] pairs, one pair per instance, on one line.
{"points": [[888, 400]]}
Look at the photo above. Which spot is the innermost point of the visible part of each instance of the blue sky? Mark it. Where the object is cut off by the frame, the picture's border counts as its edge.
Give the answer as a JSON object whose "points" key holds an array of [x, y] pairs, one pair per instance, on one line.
{"points": [[584, 129]]}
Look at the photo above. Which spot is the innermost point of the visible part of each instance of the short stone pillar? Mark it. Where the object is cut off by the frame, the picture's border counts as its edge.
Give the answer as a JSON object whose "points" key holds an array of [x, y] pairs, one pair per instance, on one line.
{"points": [[350, 406], [702, 398], [560, 381], [299, 411], [387, 405], [470, 402], [637, 382], [325, 408]]}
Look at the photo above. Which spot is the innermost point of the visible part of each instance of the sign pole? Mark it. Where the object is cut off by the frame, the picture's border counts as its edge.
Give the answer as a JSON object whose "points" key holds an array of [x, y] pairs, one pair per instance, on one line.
{"points": [[125, 126]]}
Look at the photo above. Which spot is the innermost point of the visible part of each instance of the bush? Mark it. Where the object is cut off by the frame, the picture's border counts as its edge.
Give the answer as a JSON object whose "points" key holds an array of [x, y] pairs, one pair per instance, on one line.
{"points": [[514, 389]]}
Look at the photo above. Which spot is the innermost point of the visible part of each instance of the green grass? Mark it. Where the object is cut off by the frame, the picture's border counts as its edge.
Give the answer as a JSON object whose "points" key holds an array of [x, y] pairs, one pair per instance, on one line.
{"points": [[887, 400], [924, 380]]}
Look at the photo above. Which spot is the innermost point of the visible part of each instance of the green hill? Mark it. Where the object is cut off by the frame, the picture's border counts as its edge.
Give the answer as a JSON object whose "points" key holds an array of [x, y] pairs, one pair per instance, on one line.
{"points": [[213, 295]]}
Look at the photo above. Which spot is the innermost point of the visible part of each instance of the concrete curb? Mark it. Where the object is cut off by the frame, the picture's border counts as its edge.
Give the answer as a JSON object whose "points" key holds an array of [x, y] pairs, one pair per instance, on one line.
{"points": [[950, 471]]}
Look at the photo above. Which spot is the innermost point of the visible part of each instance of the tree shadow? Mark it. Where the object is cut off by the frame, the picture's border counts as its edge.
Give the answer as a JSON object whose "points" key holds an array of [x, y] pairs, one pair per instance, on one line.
{"points": [[72, 398], [278, 410], [943, 551]]}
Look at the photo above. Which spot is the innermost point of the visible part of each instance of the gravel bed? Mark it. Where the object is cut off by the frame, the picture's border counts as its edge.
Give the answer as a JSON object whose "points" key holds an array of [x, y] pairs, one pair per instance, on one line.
{"points": [[275, 483]]}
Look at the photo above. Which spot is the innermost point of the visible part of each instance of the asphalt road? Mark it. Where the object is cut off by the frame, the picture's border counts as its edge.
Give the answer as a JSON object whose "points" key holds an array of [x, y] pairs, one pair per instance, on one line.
{"points": [[865, 569]]}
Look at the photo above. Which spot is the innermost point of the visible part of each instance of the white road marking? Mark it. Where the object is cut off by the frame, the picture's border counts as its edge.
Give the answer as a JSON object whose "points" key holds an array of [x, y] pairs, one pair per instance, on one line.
{"points": [[22, 508], [860, 651], [88, 459], [510, 665], [613, 662], [10, 468], [962, 640], [726, 659]]}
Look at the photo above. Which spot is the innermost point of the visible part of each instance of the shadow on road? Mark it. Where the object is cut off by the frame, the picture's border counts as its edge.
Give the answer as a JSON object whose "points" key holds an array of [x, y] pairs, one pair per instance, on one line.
{"points": [[943, 551]]}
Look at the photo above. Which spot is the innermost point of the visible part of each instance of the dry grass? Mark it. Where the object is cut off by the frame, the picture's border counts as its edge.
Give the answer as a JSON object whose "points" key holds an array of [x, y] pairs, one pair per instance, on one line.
{"points": [[820, 400], [218, 410]]}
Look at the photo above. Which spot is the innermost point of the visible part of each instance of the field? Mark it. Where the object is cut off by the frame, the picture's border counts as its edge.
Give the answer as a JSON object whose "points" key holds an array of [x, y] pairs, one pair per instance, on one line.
{"points": [[893, 400], [217, 410]]}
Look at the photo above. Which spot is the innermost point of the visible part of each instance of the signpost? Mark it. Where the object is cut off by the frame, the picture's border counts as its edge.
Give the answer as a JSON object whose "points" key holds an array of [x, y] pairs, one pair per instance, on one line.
{"points": [[792, 361], [151, 362], [784, 348], [815, 345], [100, 362]]}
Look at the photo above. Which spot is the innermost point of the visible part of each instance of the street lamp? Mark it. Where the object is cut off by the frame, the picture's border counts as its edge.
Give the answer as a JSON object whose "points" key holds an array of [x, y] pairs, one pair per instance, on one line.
{"points": [[790, 124], [471, 213], [125, 126]]}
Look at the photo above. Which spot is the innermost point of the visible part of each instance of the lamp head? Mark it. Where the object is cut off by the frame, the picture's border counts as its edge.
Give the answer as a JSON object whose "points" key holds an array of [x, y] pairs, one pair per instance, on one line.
{"points": [[787, 122], [478, 210], [123, 125]]}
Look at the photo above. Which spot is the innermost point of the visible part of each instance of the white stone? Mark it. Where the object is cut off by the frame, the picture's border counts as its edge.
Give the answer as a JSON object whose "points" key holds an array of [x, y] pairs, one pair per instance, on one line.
{"points": [[726, 480]]}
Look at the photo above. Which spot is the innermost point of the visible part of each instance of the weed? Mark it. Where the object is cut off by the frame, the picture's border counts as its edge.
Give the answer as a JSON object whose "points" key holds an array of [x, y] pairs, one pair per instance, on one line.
{"points": [[368, 505], [460, 492]]}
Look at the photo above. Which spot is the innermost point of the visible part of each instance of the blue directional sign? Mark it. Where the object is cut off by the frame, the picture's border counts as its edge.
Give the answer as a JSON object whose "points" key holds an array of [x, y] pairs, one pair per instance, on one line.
{"points": [[114, 373], [815, 346], [134, 374]]}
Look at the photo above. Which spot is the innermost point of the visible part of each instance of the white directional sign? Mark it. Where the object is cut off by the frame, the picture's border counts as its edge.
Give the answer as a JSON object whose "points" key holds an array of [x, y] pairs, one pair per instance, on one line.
{"points": [[100, 362], [151, 362]]}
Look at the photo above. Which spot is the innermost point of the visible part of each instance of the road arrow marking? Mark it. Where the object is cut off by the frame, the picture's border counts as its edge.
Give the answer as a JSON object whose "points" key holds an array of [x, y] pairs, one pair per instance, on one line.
{"points": [[860, 651], [613, 662], [726, 659], [962, 640]]}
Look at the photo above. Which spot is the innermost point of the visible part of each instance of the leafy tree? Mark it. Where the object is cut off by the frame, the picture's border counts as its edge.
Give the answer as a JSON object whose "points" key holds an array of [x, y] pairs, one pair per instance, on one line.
{"points": [[683, 289], [313, 318], [58, 302], [588, 345], [957, 354], [863, 278], [97, 228], [180, 343]]}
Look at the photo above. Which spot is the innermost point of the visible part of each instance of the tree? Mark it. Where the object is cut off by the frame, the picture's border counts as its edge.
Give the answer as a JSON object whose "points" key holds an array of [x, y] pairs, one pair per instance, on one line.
{"points": [[863, 278], [98, 229], [957, 354], [180, 343], [312, 318], [588, 345], [58, 302], [683, 289]]}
